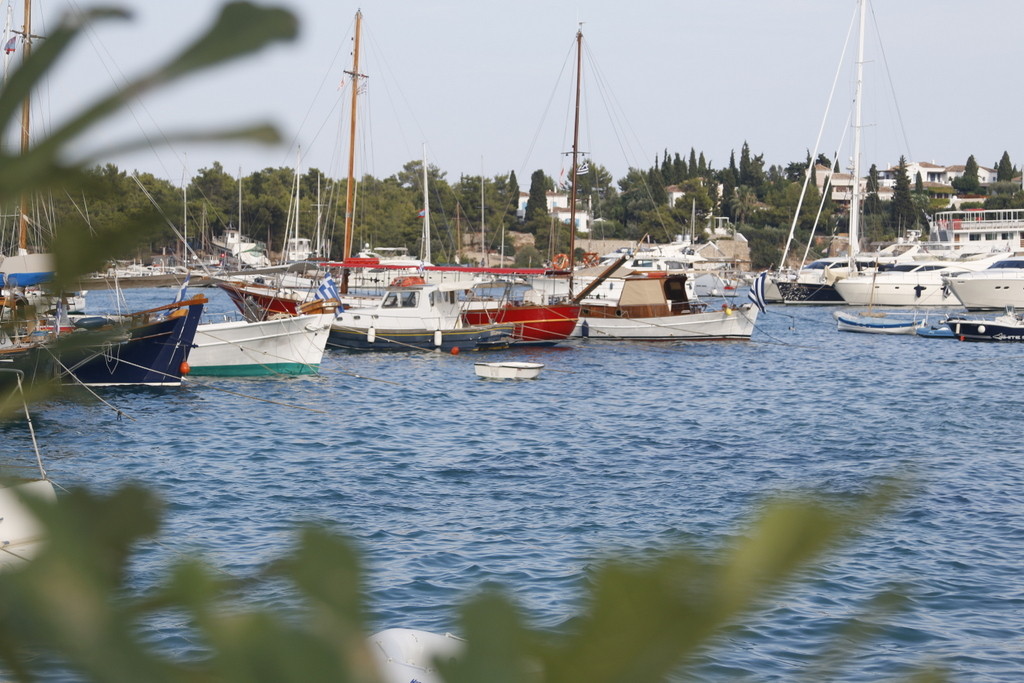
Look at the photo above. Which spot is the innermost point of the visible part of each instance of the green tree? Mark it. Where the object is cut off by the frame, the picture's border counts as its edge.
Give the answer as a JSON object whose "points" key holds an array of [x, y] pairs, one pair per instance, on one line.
{"points": [[743, 204], [537, 204], [901, 210], [1004, 170], [968, 183]]}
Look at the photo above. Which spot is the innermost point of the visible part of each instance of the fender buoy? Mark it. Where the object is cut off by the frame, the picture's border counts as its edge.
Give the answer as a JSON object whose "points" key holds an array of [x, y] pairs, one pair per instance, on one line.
{"points": [[560, 262], [455, 350], [184, 368]]}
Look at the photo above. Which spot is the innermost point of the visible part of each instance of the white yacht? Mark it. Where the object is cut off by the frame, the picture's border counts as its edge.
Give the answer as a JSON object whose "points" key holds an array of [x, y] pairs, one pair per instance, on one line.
{"points": [[998, 286], [908, 284]]}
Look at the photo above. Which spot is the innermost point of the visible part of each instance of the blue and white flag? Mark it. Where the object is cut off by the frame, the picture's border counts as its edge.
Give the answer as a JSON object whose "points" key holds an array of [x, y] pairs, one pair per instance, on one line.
{"points": [[180, 296], [756, 293], [329, 290]]}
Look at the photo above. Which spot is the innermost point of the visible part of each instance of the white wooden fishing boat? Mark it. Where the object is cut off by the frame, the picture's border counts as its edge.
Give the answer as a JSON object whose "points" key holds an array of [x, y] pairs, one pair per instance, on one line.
{"points": [[658, 308], [282, 345], [508, 370], [877, 323], [414, 315], [403, 655]]}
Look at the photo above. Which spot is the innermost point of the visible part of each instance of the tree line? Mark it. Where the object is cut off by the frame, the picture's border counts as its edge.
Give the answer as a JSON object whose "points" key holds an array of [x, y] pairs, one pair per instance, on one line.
{"points": [[761, 201]]}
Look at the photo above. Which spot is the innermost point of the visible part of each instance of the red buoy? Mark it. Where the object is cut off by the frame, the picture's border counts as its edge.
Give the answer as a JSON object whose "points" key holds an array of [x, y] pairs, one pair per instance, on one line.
{"points": [[184, 368]]}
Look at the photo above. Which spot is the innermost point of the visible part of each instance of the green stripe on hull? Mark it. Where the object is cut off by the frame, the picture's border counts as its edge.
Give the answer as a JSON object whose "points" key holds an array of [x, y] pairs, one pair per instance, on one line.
{"points": [[262, 370]]}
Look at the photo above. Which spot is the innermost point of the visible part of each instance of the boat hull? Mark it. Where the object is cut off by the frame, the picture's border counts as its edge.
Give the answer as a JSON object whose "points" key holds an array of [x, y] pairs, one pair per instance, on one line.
{"points": [[907, 293], [470, 338], [533, 324], [809, 293], [508, 370], [281, 346], [966, 329], [148, 354], [851, 322], [21, 533], [979, 292], [259, 302], [721, 325]]}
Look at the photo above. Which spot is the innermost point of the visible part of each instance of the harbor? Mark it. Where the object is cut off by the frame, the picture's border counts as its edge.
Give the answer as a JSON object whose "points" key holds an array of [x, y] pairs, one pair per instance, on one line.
{"points": [[446, 482]]}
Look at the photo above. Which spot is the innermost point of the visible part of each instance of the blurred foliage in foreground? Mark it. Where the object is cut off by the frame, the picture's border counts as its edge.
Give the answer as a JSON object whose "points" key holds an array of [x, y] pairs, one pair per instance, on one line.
{"points": [[644, 621], [71, 610]]}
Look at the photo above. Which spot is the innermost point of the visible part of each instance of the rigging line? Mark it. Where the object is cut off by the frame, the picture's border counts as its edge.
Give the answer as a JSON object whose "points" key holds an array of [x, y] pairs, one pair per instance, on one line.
{"points": [[888, 75], [817, 144], [618, 119], [825, 192], [329, 70], [100, 48], [547, 109], [120, 413]]}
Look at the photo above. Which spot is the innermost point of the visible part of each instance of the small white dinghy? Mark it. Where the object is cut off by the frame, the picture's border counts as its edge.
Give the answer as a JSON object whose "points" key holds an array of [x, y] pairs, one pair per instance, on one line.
{"points": [[508, 370], [404, 654]]}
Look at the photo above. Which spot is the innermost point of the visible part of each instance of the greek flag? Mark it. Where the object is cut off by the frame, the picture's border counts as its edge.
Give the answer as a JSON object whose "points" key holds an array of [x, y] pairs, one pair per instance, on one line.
{"points": [[329, 290], [180, 296], [756, 293]]}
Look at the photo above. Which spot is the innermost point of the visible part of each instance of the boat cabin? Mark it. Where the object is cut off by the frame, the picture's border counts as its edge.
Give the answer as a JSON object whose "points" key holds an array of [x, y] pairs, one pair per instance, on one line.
{"points": [[646, 296]]}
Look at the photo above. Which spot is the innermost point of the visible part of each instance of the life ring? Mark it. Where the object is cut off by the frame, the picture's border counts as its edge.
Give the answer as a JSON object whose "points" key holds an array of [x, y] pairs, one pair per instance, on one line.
{"points": [[590, 259], [560, 262], [408, 281]]}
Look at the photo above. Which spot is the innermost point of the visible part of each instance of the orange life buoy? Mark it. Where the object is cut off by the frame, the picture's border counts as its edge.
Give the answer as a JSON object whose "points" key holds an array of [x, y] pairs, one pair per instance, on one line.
{"points": [[590, 259], [408, 281], [560, 262]]}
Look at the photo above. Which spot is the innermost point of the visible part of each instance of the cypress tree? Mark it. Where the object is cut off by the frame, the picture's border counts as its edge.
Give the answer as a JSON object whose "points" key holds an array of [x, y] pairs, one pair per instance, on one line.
{"points": [[902, 207], [537, 204], [1004, 171]]}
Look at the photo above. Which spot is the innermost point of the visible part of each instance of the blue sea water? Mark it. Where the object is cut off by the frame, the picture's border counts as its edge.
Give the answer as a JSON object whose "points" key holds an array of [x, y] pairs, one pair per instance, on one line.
{"points": [[447, 482]]}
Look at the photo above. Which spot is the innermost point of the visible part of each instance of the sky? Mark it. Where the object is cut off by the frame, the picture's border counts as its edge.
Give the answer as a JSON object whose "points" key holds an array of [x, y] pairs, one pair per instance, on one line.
{"points": [[485, 87]]}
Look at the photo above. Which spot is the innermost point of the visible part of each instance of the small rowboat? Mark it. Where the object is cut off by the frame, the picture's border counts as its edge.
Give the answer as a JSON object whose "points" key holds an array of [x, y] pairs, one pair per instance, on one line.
{"points": [[508, 370]]}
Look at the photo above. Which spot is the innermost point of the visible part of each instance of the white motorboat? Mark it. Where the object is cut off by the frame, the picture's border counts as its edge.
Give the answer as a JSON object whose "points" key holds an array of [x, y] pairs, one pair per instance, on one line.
{"points": [[998, 286], [907, 284], [508, 370], [415, 316]]}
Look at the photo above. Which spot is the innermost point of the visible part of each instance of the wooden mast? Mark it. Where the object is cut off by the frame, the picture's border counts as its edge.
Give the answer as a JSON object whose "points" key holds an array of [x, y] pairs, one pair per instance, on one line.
{"points": [[575, 152], [25, 110], [350, 190]]}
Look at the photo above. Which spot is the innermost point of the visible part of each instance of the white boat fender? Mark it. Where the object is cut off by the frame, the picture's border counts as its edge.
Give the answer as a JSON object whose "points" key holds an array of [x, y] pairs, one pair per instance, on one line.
{"points": [[371, 335], [438, 337]]}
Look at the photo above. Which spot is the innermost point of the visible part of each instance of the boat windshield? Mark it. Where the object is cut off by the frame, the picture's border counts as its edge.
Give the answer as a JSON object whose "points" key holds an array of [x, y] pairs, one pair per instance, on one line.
{"points": [[1008, 263], [401, 300]]}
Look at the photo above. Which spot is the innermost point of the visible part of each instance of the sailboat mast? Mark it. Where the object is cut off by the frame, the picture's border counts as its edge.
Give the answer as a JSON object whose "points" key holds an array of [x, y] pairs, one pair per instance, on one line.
{"points": [[483, 224], [298, 190], [350, 190], [575, 152], [855, 194], [425, 248], [25, 111]]}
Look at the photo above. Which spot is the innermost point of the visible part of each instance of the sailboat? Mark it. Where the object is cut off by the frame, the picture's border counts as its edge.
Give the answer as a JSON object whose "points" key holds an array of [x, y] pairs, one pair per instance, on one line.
{"points": [[25, 269], [653, 306]]}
